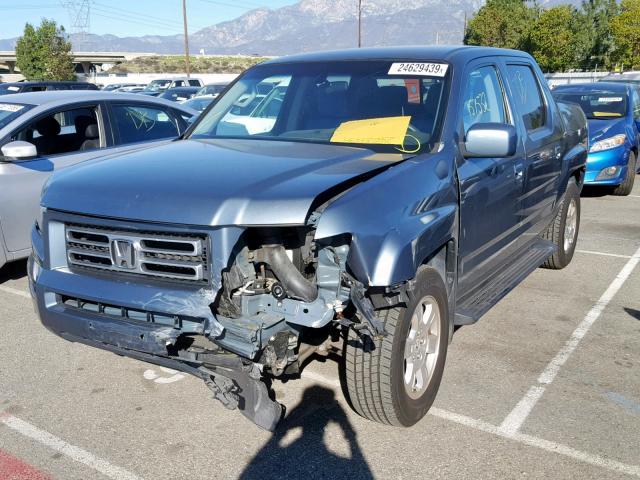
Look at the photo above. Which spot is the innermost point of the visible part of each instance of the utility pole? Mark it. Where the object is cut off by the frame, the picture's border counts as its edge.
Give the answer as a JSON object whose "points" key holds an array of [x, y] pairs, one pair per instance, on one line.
{"points": [[359, 23], [186, 39]]}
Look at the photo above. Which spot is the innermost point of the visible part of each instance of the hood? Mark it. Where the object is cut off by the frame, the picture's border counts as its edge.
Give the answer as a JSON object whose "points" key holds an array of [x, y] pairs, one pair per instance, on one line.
{"points": [[211, 182], [601, 129]]}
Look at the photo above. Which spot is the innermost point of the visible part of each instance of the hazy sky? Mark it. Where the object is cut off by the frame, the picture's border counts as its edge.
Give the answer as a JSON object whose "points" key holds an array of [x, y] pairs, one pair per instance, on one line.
{"points": [[129, 17]]}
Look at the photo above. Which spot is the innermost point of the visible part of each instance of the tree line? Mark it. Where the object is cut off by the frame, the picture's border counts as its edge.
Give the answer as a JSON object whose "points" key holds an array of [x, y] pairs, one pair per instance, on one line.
{"points": [[599, 34]]}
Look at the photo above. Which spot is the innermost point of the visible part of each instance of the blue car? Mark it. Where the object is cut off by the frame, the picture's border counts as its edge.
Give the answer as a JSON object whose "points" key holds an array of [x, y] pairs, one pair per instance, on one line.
{"points": [[613, 112]]}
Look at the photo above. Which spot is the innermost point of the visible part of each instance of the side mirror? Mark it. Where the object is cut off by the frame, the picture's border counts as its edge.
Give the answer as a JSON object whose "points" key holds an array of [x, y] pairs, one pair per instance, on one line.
{"points": [[19, 151], [490, 140]]}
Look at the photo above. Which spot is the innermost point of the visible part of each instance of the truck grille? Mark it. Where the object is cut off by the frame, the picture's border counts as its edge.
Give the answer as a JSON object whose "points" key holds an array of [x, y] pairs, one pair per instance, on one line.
{"points": [[162, 255]]}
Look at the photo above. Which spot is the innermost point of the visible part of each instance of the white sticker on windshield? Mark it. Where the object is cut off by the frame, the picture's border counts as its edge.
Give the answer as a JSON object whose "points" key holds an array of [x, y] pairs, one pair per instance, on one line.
{"points": [[8, 107], [609, 99], [424, 69], [13, 89]]}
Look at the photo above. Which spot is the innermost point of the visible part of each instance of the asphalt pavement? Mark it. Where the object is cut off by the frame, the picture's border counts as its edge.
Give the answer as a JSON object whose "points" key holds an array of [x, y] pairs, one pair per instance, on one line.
{"points": [[546, 385]]}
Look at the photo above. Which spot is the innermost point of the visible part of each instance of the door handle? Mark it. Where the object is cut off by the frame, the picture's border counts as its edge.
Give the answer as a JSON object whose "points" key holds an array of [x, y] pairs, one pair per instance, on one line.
{"points": [[518, 171]]}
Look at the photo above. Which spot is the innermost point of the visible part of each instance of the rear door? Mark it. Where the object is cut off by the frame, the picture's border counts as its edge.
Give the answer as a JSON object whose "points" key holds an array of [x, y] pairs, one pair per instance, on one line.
{"points": [[542, 131], [490, 188]]}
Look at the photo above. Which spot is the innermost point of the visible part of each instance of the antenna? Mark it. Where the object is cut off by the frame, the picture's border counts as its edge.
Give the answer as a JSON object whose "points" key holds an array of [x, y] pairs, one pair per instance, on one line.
{"points": [[79, 14]]}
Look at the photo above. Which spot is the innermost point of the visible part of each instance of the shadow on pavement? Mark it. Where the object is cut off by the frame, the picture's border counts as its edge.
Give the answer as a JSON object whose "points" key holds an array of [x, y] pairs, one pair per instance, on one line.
{"points": [[591, 191], [633, 312], [13, 271], [308, 456]]}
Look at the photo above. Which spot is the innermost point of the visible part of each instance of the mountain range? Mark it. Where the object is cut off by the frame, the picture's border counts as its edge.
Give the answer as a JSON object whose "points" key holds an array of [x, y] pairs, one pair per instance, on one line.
{"points": [[305, 26]]}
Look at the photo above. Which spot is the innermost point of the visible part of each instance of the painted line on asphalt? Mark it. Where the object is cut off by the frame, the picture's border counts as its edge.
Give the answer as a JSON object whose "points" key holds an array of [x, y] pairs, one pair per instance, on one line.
{"points": [[634, 196], [318, 377], [536, 442], [75, 453], [519, 414], [15, 291], [592, 252], [15, 469], [540, 443]]}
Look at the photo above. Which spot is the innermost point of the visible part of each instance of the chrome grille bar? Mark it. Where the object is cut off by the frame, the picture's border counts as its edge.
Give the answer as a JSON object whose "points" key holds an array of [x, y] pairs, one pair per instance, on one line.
{"points": [[164, 255]]}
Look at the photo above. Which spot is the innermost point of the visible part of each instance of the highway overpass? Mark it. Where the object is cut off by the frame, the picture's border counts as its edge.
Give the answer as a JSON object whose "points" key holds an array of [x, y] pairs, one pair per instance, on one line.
{"points": [[85, 61]]}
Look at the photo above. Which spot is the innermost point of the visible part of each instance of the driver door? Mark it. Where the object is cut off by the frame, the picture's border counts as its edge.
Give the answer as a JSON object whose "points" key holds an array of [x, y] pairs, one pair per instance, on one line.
{"points": [[60, 136]]}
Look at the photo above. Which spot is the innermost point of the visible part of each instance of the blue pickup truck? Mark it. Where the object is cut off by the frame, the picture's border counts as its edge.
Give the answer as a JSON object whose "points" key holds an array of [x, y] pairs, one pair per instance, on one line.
{"points": [[366, 202]]}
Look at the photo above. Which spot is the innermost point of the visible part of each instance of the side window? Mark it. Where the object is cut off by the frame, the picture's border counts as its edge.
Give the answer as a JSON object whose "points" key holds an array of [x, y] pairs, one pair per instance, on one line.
{"points": [[635, 100], [194, 83], [35, 88], [143, 124], [65, 131], [483, 98], [178, 83], [527, 96]]}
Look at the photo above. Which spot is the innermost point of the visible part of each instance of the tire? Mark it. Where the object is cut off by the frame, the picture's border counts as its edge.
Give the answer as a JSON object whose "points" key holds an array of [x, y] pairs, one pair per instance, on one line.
{"points": [[374, 370], [626, 186], [561, 233]]}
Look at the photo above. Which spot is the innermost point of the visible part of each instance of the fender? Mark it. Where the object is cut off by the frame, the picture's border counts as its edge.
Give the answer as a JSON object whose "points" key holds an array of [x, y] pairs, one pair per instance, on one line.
{"points": [[396, 219]]}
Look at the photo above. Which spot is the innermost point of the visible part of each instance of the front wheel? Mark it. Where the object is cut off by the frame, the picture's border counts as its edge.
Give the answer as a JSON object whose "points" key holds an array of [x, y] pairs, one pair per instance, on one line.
{"points": [[626, 186], [563, 232], [394, 379]]}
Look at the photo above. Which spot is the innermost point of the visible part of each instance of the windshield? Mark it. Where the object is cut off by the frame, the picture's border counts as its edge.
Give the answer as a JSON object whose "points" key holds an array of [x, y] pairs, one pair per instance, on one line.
{"points": [[387, 106], [10, 111], [156, 85], [9, 89], [601, 104]]}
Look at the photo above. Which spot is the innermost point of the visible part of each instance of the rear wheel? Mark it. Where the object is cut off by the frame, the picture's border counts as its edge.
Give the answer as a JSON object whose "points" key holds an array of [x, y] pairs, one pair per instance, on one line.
{"points": [[563, 232], [626, 186], [394, 379]]}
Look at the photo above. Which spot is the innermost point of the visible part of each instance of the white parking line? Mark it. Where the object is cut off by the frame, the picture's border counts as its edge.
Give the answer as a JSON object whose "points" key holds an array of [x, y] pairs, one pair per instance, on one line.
{"points": [[75, 453], [529, 440], [14, 291], [539, 443], [519, 414], [523, 438], [591, 252]]}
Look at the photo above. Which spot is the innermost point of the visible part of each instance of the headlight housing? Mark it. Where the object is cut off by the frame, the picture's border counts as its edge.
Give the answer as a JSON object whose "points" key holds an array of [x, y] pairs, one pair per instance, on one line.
{"points": [[40, 218], [608, 143]]}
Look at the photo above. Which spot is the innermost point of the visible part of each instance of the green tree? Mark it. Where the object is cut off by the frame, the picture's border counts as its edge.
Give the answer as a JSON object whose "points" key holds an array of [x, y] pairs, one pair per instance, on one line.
{"points": [[625, 28], [593, 28], [553, 41], [44, 53], [501, 23]]}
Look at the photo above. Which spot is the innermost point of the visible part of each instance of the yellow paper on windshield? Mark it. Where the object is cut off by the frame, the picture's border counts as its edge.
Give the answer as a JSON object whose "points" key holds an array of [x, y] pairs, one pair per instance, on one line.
{"points": [[386, 131], [606, 114]]}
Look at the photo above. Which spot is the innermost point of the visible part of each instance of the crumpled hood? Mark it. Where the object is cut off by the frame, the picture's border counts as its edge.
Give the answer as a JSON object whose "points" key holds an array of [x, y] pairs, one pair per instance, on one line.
{"points": [[211, 182], [601, 129]]}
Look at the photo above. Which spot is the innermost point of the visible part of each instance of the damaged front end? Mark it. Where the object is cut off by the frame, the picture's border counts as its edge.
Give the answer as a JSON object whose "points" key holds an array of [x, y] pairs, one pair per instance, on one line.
{"points": [[233, 306]]}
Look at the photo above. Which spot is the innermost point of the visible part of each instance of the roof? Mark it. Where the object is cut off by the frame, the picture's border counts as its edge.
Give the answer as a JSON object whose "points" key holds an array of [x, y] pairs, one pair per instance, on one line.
{"points": [[594, 87], [445, 52], [44, 82], [61, 97]]}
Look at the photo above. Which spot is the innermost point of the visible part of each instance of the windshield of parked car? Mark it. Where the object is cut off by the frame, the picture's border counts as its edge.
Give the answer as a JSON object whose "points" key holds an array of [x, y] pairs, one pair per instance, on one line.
{"points": [[10, 111], [8, 89], [211, 90], [156, 85], [384, 105], [601, 104]]}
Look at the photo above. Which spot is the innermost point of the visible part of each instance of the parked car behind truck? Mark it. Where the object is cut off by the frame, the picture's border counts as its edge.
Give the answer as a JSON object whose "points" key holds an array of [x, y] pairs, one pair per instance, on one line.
{"points": [[46, 131], [397, 194], [613, 111]]}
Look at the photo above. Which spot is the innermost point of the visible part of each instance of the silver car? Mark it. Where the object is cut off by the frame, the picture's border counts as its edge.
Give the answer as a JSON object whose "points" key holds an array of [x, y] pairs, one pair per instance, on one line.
{"points": [[44, 132]]}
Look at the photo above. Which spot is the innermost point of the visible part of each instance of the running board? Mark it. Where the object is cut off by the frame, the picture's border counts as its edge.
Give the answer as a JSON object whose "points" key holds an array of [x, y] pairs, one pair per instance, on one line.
{"points": [[474, 307]]}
